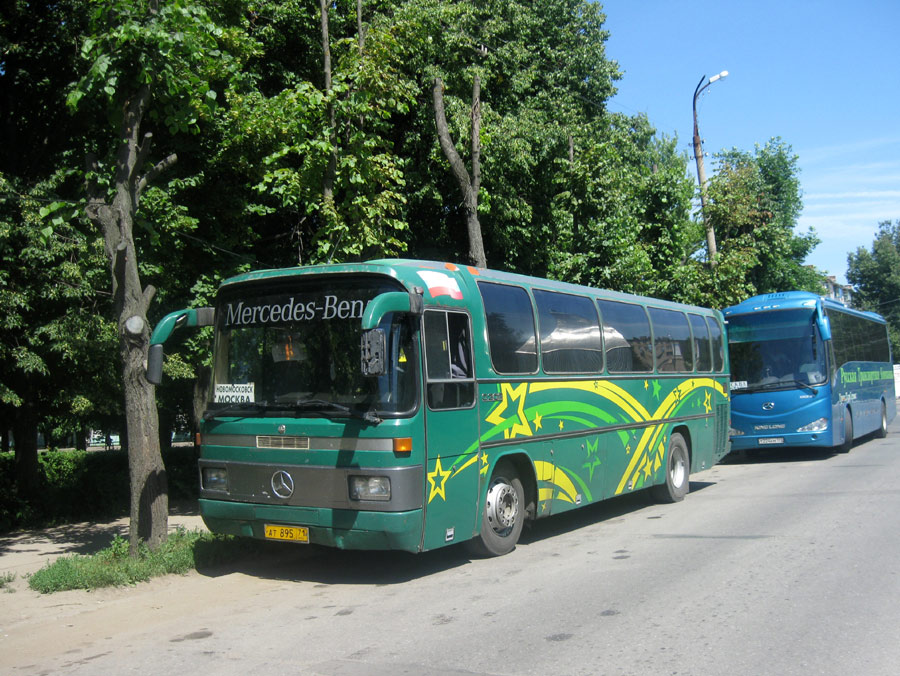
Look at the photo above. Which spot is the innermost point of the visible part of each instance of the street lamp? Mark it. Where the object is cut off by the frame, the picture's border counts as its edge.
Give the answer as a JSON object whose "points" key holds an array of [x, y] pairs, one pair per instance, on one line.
{"points": [[701, 173]]}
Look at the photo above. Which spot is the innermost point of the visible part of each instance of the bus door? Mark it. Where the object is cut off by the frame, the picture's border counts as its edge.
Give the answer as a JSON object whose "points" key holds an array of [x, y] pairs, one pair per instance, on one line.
{"points": [[451, 429]]}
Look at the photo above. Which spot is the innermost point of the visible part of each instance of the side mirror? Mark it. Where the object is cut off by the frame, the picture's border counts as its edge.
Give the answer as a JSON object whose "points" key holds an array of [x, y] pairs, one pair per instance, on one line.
{"points": [[155, 364], [203, 316], [372, 351], [392, 301]]}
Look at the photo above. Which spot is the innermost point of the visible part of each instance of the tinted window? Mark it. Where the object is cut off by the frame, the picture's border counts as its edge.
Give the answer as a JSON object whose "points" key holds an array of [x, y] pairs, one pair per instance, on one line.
{"points": [[570, 333], [718, 347], [858, 339], [702, 343], [448, 360], [510, 324], [626, 337], [672, 341]]}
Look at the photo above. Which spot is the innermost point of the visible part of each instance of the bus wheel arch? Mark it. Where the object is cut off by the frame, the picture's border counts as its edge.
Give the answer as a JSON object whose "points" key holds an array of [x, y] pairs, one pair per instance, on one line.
{"points": [[509, 499], [677, 469]]}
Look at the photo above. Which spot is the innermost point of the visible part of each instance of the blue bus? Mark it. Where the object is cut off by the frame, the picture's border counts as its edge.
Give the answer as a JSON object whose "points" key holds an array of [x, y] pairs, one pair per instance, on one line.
{"points": [[807, 371]]}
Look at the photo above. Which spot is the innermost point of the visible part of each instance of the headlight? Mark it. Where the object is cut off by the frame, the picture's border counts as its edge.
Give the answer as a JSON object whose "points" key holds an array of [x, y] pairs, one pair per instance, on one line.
{"points": [[734, 433], [370, 488], [819, 425], [214, 479]]}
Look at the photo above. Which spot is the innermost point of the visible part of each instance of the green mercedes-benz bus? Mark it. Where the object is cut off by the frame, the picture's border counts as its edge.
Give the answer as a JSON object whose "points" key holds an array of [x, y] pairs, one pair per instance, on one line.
{"points": [[409, 405]]}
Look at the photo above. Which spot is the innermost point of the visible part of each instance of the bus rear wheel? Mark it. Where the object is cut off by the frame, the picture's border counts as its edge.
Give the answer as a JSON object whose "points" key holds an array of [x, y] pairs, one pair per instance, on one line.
{"points": [[503, 515], [678, 471]]}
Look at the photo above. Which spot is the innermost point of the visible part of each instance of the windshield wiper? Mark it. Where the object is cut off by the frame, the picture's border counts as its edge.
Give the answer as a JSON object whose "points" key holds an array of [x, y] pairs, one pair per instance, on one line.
{"points": [[240, 407], [785, 384], [331, 409]]}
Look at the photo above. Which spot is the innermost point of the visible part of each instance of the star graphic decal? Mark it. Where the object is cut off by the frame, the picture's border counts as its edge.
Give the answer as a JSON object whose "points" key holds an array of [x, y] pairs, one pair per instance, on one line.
{"points": [[656, 388], [438, 479], [496, 417], [537, 421], [707, 403]]}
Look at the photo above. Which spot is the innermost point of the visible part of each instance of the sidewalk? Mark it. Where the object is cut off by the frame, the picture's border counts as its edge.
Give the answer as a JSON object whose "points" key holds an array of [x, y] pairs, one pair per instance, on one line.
{"points": [[25, 552]]}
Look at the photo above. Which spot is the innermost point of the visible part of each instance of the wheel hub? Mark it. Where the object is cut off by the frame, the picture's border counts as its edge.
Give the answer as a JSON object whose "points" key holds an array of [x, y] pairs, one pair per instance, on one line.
{"points": [[502, 506]]}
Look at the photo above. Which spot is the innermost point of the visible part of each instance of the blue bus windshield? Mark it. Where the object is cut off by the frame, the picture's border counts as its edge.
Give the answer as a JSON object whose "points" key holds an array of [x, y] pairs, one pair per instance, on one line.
{"points": [[775, 350]]}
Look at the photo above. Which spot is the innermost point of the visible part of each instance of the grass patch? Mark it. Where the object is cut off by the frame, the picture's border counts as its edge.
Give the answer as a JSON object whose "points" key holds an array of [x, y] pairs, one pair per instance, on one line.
{"points": [[6, 579], [113, 567]]}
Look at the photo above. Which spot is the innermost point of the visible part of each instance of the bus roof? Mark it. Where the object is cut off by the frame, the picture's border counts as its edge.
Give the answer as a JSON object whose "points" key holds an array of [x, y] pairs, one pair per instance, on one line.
{"points": [[408, 272], [788, 300]]}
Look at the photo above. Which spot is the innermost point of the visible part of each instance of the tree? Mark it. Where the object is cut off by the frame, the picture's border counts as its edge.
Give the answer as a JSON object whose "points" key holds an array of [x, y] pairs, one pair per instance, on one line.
{"points": [[157, 64], [754, 202], [875, 275], [468, 185]]}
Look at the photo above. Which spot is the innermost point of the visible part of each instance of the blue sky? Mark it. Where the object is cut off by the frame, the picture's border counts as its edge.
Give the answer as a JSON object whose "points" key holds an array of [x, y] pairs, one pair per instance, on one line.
{"points": [[824, 76]]}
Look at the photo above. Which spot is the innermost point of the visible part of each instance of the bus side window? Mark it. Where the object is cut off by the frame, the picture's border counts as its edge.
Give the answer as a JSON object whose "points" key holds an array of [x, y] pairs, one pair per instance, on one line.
{"points": [[702, 343], [718, 348], [672, 341], [626, 337], [448, 360], [510, 325], [570, 333]]}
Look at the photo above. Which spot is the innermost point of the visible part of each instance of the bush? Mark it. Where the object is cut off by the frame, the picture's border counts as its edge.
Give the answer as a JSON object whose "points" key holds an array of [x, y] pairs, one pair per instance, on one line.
{"points": [[85, 486]]}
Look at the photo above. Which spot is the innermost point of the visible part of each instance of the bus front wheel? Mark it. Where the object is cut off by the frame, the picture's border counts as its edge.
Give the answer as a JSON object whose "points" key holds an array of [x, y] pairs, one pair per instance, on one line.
{"points": [[848, 434], [503, 515], [882, 431], [678, 470]]}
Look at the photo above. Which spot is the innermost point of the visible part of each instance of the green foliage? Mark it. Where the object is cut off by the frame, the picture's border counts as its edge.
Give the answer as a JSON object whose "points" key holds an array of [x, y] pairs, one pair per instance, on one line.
{"points": [[875, 275], [80, 486], [754, 203], [181, 552]]}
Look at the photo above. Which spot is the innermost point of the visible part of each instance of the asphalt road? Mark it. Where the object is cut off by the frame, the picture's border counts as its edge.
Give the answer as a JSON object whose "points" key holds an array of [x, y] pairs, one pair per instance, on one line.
{"points": [[788, 563]]}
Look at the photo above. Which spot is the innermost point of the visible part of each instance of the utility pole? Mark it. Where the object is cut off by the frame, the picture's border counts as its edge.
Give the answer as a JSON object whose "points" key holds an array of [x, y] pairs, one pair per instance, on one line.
{"points": [[701, 172]]}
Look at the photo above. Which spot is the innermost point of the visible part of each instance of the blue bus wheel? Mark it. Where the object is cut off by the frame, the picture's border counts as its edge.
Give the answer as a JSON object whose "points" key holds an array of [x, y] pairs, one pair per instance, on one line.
{"points": [[503, 515], [848, 434], [678, 471], [882, 431]]}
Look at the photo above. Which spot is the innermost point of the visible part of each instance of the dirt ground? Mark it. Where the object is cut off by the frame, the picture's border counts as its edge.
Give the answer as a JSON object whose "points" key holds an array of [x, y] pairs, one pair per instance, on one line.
{"points": [[28, 619]]}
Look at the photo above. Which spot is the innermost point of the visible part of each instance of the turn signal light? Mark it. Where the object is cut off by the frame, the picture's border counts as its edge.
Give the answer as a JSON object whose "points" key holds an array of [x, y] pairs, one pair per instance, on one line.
{"points": [[403, 445]]}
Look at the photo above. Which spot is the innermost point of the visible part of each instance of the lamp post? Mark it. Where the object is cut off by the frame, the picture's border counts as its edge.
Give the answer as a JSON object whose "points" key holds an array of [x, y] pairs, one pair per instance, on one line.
{"points": [[701, 173]]}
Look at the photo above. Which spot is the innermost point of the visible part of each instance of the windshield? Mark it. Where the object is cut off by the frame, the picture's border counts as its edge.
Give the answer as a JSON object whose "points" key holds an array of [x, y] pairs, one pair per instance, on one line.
{"points": [[775, 350], [296, 347]]}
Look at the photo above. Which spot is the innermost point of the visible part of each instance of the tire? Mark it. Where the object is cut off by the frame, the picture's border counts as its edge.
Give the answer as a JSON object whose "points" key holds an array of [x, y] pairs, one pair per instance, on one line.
{"points": [[882, 431], [678, 471], [503, 515], [848, 433]]}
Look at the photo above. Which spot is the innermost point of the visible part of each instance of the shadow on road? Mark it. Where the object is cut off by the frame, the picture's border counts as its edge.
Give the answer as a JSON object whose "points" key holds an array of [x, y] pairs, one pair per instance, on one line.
{"points": [[324, 565]]}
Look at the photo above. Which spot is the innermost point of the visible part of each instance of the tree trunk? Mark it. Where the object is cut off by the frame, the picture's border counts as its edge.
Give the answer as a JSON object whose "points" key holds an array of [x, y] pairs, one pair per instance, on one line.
{"points": [[148, 485], [468, 186], [25, 432], [331, 170]]}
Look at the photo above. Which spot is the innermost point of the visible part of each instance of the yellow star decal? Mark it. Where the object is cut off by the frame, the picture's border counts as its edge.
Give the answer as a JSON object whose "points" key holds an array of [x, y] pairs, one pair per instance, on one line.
{"points": [[560, 425], [707, 403], [537, 421], [437, 479], [484, 463], [511, 393]]}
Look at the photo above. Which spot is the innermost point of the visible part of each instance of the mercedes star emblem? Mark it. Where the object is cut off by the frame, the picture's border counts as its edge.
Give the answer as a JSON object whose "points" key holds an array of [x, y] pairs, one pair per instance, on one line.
{"points": [[282, 484]]}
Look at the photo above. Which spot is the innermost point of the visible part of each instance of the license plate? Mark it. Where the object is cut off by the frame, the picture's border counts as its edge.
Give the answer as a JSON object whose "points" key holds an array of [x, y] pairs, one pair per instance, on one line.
{"points": [[771, 440], [289, 533]]}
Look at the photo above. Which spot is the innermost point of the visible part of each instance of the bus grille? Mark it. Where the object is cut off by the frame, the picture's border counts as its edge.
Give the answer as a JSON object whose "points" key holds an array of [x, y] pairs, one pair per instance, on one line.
{"points": [[296, 443]]}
